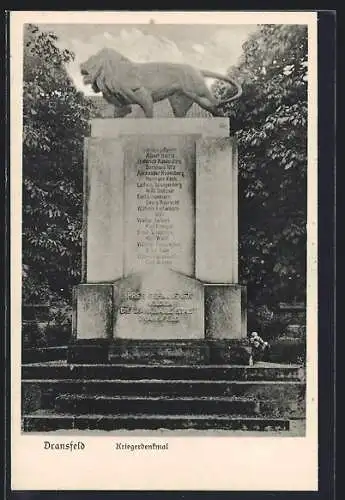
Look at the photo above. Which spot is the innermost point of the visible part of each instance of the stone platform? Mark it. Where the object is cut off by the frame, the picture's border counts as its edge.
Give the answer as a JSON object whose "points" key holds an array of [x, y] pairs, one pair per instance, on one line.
{"points": [[160, 352]]}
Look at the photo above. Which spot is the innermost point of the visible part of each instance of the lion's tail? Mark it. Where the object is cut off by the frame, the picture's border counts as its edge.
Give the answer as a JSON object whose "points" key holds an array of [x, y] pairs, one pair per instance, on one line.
{"points": [[217, 76]]}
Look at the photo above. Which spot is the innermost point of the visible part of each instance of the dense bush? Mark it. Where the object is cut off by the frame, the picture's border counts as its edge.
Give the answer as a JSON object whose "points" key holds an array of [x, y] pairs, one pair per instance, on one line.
{"points": [[287, 350], [48, 329]]}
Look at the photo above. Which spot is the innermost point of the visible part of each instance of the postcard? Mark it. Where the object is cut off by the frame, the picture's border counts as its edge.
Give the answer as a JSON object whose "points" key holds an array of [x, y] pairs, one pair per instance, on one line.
{"points": [[164, 250]]}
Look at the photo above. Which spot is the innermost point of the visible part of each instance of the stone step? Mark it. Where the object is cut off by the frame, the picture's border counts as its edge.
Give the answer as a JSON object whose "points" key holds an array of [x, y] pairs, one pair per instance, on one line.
{"points": [[155, 405], [171, 372], [44, 422], [44, 354], [282, 409], [38, 393], [69, 403]]}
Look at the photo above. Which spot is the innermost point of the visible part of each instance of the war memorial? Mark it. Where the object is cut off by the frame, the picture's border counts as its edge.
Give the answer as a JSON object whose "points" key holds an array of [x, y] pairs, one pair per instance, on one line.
{"points": [[159, 336]]}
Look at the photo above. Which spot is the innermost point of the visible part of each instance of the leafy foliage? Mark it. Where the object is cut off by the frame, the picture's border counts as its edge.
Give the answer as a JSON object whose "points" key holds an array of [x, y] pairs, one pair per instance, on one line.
{"points": [[270, 122], [55, 121]]}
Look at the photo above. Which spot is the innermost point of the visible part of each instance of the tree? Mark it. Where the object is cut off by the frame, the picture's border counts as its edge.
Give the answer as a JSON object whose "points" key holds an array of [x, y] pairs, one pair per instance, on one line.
{"points": [[270, 122], [55, 121]]}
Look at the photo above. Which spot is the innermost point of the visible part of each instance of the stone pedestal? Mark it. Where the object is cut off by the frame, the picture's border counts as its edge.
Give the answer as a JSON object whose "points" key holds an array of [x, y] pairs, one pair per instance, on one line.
{"points": [[160, 242]]}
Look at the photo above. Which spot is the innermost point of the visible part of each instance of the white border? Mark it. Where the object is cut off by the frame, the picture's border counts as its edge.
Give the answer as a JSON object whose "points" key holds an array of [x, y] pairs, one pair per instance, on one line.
{"points": [[192, 463]]}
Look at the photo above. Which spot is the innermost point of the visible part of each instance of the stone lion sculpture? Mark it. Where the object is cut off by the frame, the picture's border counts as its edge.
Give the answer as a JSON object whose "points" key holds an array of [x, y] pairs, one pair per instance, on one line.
{"points": [[123, 83]]}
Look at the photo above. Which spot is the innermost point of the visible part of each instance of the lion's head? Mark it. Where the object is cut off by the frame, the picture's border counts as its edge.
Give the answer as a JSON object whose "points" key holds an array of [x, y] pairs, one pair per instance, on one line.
{"points": [[109, 71]]}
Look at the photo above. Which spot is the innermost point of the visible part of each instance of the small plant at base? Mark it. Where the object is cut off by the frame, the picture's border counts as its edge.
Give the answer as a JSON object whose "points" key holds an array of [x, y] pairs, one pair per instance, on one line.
{"points": [[258, 344]]}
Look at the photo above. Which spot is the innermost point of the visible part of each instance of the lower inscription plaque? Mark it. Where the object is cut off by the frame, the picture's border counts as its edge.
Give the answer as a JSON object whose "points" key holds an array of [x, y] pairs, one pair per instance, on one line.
{"points": [[159, 304]]}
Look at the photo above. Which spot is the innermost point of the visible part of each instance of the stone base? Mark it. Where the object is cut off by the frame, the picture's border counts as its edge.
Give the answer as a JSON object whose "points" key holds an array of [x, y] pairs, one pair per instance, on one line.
{"points": [[155, 352], [158, 352], [88, 351], [214, 312]]}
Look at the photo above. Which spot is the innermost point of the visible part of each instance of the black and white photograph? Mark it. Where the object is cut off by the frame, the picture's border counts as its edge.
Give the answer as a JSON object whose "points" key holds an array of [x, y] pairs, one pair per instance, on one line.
{"points": [[166, 208]]}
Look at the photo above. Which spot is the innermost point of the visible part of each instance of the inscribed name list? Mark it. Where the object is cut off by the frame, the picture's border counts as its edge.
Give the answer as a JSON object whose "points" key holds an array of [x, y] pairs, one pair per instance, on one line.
{"points": [[159, 203]]}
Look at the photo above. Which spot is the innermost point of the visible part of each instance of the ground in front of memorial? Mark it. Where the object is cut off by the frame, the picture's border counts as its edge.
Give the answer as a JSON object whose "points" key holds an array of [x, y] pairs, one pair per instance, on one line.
{"points": [[297, 429]]}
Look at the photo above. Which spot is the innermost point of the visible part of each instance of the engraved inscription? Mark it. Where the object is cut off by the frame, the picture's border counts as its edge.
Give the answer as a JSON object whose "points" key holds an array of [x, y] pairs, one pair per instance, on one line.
{"points": [[159, 307], [159, 229], [160, 181], [160, 304]]}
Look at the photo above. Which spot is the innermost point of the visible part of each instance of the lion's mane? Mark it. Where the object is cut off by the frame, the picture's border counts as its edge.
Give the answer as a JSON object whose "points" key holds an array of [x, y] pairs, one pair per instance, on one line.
{"points": [[110, 72]]}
